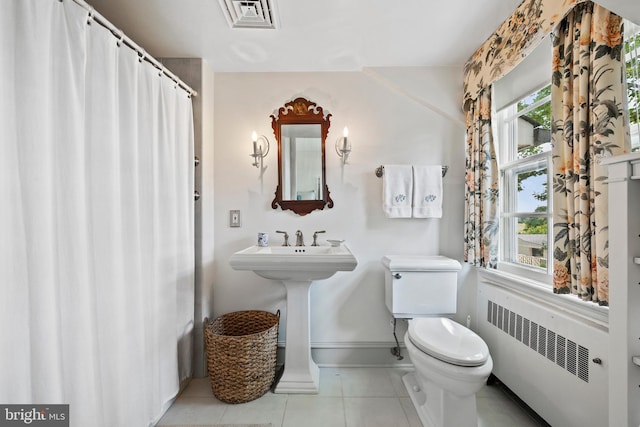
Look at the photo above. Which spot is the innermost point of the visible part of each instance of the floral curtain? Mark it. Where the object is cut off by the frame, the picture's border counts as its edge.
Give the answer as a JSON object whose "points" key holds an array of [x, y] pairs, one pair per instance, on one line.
{"points": [[512, 41], [587, 124], [516, 37], [481, 191]]}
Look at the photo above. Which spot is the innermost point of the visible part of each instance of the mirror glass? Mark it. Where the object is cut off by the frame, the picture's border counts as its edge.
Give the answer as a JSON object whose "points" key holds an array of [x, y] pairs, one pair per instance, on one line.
{"points": [[301, 129], [301, 162]]}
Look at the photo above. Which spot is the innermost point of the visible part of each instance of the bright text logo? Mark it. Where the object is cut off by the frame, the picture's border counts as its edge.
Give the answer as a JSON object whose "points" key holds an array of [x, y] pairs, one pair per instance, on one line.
{"points": [[34, 415]]}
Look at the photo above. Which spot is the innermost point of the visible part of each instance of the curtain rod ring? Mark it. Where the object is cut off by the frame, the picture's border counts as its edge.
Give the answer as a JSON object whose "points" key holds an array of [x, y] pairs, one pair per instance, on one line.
{"points": [[120, 37], [90, 16], [141, 55]]}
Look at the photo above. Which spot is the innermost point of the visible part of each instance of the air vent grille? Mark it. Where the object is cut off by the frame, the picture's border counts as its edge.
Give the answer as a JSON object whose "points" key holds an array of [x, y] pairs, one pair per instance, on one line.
{"points": [[249, 13], [566, 353]]}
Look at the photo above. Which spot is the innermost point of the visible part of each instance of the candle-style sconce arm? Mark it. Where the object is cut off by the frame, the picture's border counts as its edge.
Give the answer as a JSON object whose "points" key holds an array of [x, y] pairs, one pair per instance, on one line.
{"points": [[343, 146], [260, 149]]}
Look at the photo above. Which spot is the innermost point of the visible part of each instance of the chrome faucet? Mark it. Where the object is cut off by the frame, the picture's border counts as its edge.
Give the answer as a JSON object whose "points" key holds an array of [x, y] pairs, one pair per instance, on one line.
{"points": [[286, 238], [299, 241], [315, 236]]}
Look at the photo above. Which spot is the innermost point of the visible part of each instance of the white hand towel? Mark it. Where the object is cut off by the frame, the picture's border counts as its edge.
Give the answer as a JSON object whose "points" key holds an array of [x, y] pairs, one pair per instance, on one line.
{"points": [[427, 191], [396, 191]]}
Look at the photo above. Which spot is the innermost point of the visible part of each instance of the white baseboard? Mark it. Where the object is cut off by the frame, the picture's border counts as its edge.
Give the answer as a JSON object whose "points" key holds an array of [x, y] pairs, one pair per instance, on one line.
{"points": [[334, 355], [354, 354], [199, 353]]}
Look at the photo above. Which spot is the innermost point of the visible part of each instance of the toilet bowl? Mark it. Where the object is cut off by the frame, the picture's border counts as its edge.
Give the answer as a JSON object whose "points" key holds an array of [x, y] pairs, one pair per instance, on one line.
{"points": [[451, 364]]}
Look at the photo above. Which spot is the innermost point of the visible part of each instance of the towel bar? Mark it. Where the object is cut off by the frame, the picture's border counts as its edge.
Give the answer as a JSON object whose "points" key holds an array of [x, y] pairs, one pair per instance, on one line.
{"points": [[380, 171]]}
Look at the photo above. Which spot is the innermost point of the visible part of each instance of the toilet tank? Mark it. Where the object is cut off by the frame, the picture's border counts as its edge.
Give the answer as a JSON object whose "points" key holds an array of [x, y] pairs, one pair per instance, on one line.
{"points": [[420, 286]]}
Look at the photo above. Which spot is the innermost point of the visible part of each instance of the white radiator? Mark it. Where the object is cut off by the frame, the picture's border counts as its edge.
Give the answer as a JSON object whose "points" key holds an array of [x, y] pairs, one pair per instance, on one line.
{"points": [[557, 365]]}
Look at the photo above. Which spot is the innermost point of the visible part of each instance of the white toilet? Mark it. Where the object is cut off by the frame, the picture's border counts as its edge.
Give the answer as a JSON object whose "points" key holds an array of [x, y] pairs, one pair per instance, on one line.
{"points": [[451, 362]]}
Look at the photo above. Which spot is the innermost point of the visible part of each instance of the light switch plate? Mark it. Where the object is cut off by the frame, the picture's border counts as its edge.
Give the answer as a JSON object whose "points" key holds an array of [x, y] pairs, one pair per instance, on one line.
{"points": [[234, 218]]}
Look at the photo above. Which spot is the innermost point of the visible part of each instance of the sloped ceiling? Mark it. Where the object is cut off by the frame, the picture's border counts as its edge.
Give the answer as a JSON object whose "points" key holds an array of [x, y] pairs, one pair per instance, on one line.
{"points": [[313, 35]]}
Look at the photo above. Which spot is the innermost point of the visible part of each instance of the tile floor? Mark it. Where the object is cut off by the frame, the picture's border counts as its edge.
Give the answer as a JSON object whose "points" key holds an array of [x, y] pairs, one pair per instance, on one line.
{"points": [[348, 397]]}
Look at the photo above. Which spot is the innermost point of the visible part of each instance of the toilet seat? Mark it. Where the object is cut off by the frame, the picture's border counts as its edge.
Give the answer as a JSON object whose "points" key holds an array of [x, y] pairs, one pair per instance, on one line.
{"points": [[448, 341]]}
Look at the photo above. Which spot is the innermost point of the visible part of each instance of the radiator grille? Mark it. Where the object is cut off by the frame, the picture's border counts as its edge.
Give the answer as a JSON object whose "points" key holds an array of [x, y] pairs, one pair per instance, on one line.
{"points": [[561, 351], [566, 353], [551, 346], [534, 336]]}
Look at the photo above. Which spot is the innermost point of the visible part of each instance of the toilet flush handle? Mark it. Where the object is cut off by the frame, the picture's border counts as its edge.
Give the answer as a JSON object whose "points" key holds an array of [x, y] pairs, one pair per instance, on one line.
{"points": [[397, 276]]}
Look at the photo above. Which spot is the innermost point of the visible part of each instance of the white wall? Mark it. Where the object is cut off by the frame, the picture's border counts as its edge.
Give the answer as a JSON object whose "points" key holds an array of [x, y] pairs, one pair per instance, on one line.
{"points": [[399, 115], [625, 8]]}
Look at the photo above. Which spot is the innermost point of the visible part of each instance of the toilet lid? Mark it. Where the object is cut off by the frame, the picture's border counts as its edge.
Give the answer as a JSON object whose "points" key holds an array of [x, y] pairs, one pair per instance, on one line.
{"points": [[448, 341]]}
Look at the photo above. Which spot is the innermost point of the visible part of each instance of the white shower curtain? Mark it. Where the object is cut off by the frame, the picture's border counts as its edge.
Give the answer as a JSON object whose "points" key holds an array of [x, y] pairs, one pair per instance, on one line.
{"points": [[96, 220]]}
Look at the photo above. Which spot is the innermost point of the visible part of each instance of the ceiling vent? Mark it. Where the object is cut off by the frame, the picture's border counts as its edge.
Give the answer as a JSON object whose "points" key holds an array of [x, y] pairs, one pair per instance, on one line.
{"points": [[249, 13]]}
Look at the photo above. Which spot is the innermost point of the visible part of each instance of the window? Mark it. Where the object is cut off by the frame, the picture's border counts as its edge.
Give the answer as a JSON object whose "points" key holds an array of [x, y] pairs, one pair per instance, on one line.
{"points": [[523, 136], [524, 141], [632, 59]]}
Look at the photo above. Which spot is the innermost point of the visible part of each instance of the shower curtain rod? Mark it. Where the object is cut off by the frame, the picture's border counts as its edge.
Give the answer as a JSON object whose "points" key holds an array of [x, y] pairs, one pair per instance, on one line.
{"points": [[96, 17]]}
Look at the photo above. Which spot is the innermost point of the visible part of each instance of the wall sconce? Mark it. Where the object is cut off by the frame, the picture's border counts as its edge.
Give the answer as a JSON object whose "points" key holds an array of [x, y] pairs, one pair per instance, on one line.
{"points": [[343, 146], [260, 150]]}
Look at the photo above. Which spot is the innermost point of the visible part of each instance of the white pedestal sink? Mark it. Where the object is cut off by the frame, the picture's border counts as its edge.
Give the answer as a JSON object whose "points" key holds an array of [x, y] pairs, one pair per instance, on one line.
{"points": [[296, 267]]}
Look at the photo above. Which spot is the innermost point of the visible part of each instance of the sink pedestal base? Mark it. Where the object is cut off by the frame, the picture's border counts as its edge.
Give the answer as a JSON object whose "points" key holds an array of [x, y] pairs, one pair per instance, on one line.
{"points": [[296, 268], [301, 374]]}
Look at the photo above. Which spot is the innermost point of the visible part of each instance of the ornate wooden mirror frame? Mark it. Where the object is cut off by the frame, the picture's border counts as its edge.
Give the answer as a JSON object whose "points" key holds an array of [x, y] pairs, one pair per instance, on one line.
{"points": [[301, 111]]}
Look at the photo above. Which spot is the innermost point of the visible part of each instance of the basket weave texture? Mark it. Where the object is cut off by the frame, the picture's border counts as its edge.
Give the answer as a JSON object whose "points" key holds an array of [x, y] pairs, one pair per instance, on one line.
{"points": [[241, 354]]}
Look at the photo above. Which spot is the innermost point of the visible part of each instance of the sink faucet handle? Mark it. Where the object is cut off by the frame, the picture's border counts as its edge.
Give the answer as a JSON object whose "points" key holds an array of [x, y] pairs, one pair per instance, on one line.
{"points": [[286, 237], [315, 236]]}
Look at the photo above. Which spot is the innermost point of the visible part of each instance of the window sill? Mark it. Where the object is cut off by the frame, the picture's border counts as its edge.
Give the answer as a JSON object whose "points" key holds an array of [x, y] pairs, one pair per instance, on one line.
{"points": [[589, 313], [534, 275]]}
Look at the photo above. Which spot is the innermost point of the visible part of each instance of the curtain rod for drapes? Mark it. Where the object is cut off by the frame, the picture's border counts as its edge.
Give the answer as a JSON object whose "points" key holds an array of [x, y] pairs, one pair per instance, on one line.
{"points": [[98, 18]]}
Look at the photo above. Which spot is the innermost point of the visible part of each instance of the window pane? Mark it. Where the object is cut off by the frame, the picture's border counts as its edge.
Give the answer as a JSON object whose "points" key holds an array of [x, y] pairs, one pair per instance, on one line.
{"points": [[534, 97], [534, 126], [532, 190], [632, 59], [534, 136], [532, 242]]}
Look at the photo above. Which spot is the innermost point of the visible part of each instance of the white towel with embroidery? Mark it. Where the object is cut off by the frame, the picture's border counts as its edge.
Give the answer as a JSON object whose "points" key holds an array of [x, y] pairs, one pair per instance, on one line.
{"points": [[427, 191], [396, 191]]}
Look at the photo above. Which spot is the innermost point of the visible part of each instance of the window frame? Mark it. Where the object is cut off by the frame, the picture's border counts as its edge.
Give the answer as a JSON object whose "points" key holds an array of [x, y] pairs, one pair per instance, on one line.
{"points": [[632, 31], [509, 165]]}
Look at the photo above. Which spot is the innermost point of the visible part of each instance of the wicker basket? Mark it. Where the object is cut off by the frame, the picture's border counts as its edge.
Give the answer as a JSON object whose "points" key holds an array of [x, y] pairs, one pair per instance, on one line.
{"points": [[241, 354]]}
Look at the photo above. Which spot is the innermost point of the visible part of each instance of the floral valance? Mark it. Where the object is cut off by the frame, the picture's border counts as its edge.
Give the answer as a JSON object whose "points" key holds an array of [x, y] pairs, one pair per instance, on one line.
{"points": [[513, 41]]}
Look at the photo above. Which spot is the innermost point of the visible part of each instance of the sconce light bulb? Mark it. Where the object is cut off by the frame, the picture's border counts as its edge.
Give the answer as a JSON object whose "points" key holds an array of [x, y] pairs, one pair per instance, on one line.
{"points": [[345, 143], [254, 136]]}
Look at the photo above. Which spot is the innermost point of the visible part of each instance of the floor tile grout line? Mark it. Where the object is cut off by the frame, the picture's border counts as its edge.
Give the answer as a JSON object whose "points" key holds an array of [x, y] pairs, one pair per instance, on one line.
{"points": [[404, 411], [226, 406], [393, 374], [284, 413]]}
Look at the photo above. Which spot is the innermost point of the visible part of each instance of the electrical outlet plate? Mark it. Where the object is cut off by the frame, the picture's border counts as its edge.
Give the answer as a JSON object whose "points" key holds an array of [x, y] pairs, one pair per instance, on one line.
{"points": [[234, 218]]}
